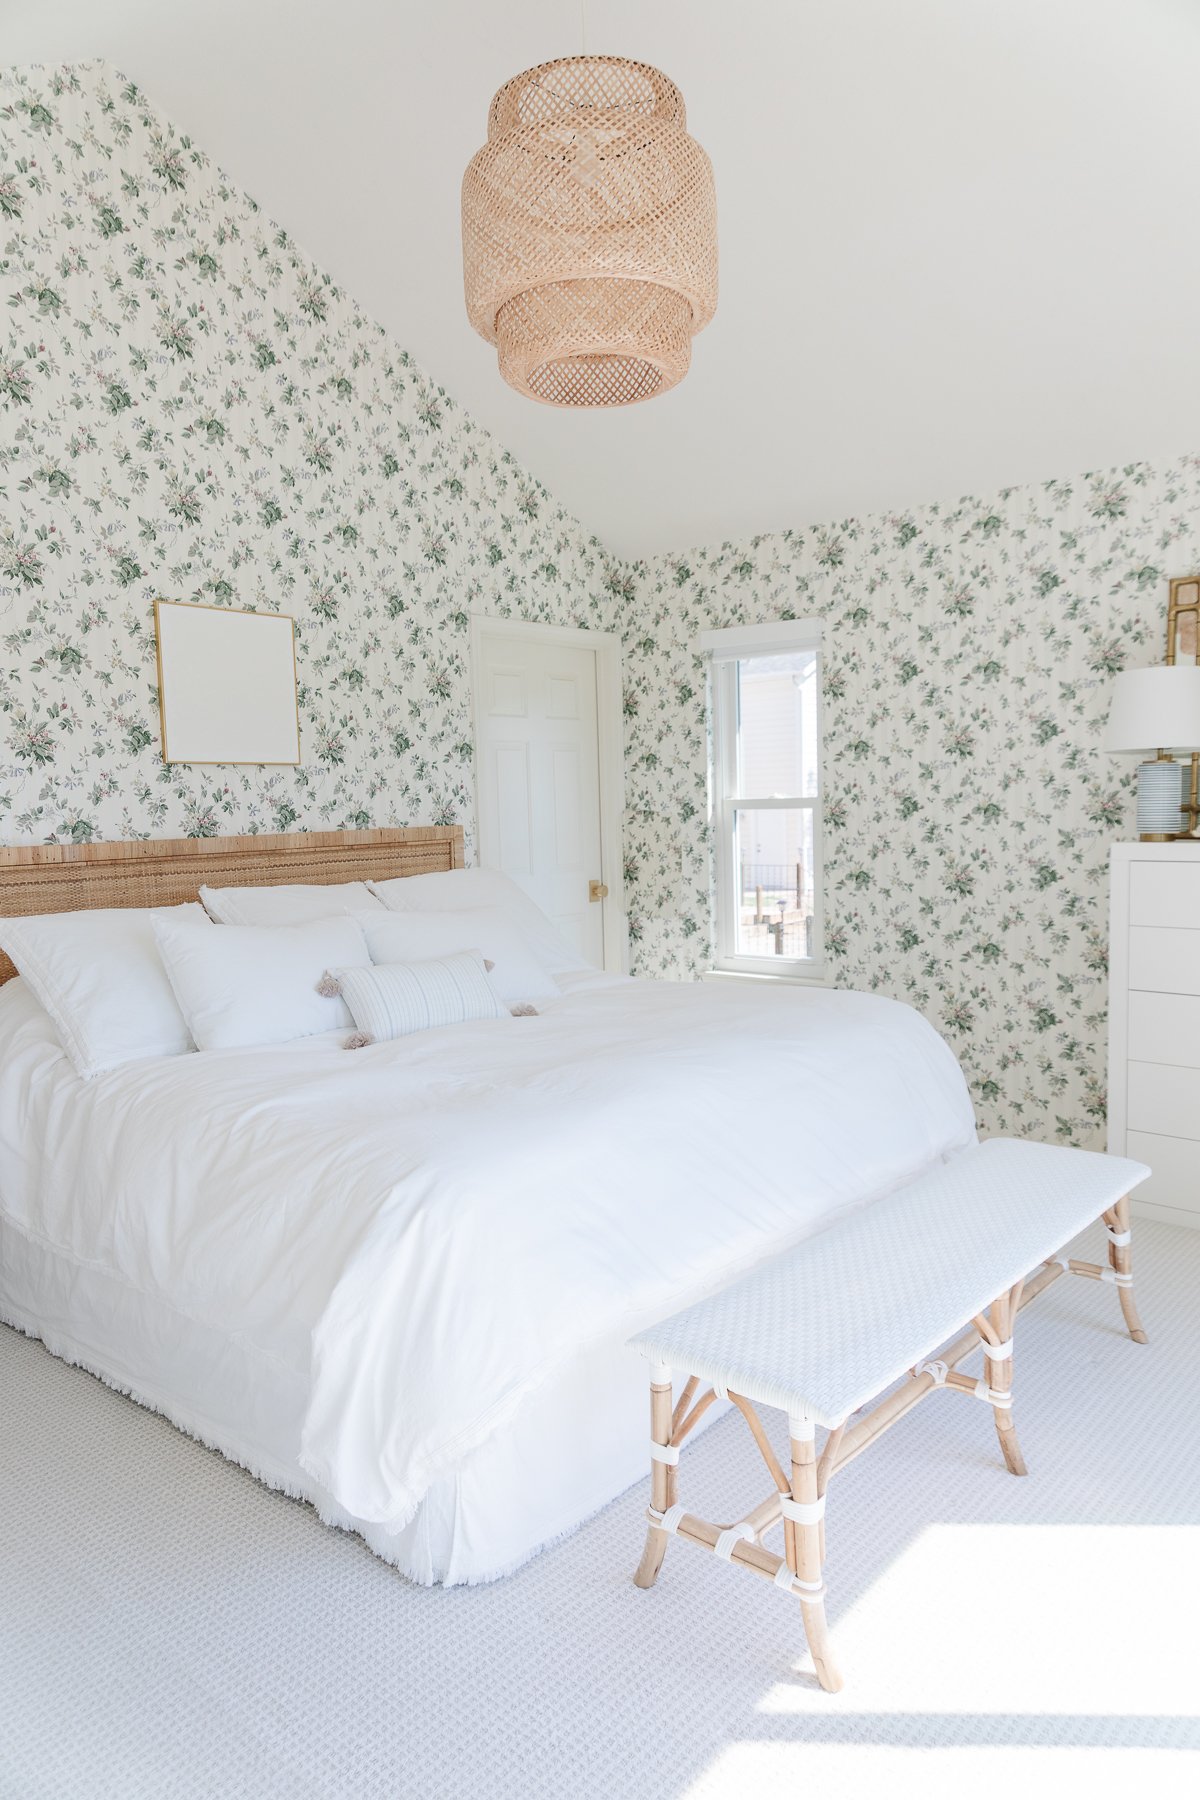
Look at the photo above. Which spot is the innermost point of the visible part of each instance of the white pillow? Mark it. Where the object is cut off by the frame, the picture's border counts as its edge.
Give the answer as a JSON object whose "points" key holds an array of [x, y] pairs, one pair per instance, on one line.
{"points": [[459, 890], [258, 984], [423, 936], [391, 1000], [99, 976], [290, 904]]}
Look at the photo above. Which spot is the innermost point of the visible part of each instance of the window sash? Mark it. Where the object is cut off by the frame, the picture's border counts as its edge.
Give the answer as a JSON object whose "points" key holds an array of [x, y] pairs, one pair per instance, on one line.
{"points": [[737, 643], [727, 802], [780, 802]]}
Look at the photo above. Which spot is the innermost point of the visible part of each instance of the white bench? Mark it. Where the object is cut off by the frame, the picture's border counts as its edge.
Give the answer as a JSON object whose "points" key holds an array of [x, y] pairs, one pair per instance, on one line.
{"points": [[823, 1329]]}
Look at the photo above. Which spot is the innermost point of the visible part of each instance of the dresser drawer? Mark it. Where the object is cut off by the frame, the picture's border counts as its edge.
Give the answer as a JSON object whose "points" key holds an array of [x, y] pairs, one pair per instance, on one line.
{"points": [[1165, 961], [1175, 1180], [1165, 1028], [1163, 893], [1164, 1100]]}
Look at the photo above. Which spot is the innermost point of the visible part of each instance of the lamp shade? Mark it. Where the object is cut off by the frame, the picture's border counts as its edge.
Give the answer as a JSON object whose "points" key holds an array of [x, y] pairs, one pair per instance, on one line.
{"points": [[589, 224], [1155, 709]]}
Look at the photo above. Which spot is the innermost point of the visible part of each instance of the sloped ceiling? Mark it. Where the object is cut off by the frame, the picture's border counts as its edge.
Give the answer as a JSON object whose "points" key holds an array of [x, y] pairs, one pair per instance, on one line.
{"points": [[959, 238]]}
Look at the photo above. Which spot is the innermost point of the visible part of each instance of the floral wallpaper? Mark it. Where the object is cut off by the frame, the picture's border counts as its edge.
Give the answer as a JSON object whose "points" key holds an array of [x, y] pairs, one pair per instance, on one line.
{"points": [[969, 806], [190, 409]]}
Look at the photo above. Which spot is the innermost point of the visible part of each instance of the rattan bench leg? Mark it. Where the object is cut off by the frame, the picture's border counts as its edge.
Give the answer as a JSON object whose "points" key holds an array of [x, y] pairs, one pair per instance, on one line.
{"points": [[662, 1480], [797, 1499], [1120, 1261], [997, 1328], [807, 1553]]}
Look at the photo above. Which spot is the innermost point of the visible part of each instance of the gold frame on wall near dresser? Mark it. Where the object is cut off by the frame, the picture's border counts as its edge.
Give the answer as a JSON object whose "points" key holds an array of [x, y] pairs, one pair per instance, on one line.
{"points": [[47, 878]]}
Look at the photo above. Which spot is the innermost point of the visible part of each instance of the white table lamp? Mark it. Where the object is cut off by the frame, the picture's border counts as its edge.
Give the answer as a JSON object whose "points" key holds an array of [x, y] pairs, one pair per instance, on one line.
{"points": [[1155, 711]]}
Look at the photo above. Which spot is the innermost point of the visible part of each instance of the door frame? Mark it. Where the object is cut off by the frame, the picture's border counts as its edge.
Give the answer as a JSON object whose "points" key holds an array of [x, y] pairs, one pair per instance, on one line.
{"points": [[610, 747]]}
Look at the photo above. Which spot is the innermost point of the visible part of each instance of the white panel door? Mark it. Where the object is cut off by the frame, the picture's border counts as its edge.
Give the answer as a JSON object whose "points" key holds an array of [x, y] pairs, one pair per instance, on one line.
{"points": [[539, 777]]}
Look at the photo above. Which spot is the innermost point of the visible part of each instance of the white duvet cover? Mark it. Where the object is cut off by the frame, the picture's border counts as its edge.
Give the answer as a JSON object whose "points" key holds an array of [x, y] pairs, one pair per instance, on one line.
{"points": [[421, 1235]]}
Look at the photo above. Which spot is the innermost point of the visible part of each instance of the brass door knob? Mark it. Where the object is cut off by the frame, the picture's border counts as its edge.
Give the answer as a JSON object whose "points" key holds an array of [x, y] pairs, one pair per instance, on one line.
{"points": [[597, 890]]}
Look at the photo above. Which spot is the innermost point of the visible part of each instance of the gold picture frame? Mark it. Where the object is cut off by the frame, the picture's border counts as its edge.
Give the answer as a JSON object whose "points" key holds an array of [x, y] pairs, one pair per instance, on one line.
{"points": [[1183, 620], [1183, 644], [228, 690]]}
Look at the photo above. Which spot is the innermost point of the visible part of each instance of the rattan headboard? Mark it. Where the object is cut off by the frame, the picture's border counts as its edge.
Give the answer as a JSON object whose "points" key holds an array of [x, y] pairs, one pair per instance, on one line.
{"points": [[38, 878]]}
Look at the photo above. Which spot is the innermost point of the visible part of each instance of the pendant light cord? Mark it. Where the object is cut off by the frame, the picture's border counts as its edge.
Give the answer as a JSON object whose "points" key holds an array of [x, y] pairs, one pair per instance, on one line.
{"points": [[583, 26]]}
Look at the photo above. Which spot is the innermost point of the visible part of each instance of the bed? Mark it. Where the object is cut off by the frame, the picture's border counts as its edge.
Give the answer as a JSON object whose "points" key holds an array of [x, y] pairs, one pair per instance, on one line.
{"points": [[399, 1283]]}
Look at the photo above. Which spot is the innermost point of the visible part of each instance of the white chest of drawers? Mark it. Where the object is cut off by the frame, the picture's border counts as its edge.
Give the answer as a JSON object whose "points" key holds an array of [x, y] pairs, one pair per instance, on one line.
{"points": [[1154, 1023]]}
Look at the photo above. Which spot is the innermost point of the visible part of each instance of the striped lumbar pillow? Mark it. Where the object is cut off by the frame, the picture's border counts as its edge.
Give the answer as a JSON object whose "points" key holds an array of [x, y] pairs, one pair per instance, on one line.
{"points": [[390, 1000]]}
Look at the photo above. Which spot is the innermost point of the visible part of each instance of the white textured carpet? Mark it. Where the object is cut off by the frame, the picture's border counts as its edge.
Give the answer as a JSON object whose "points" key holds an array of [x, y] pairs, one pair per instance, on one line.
{"points": [[170, 1628]]}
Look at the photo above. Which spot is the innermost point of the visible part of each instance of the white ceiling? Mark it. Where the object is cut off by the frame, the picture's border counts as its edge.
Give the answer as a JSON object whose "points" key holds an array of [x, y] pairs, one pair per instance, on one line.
{"points": [[960, 239]]}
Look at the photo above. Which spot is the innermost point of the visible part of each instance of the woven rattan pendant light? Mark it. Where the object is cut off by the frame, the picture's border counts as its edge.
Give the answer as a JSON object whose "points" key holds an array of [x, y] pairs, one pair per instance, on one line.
{"points": [[590, 233]]}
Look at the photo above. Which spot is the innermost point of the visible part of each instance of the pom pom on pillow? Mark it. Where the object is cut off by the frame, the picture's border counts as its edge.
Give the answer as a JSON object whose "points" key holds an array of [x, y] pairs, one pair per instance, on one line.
{"points": [[243, 985], [390, 1000], [329, 987], [358, 1040], [413, 937]]}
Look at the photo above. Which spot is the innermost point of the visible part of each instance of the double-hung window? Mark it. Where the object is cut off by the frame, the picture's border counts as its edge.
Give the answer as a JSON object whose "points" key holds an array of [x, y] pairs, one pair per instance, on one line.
{"points": [[765, 688]]}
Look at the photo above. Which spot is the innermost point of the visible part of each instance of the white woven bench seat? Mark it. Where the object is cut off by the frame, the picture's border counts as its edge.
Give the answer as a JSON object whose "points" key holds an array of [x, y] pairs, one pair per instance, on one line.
{"points": [[823, 1328], [945, 1263]]}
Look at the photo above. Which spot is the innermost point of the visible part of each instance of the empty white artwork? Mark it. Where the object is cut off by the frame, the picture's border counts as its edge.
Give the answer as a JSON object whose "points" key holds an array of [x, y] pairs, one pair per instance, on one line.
{"points": [[226, 685]]}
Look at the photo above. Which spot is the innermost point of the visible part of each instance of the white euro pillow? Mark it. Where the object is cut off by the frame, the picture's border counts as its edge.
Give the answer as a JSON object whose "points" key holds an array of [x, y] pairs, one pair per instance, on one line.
{"points": [[414, 937], [99, 976], [391, 1000], [291, 903], [242, 985], [460, 890]]}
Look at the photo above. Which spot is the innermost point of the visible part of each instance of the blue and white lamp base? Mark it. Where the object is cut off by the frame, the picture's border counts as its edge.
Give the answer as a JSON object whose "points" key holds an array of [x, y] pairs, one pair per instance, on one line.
{"points": [[1160, 796]]}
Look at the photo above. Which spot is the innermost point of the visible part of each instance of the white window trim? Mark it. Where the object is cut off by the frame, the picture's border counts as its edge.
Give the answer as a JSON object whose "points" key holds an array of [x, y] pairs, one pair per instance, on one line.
{"points": [[776, 639], [725, 648]]}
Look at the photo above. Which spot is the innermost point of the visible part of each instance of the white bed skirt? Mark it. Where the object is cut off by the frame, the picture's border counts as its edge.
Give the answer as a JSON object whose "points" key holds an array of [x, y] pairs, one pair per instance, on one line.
{"points": [[576, 1444]]}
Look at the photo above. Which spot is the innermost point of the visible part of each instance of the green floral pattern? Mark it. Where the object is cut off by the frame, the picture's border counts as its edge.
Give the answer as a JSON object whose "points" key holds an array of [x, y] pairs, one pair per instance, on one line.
{"points": [[969, 806], [191, 409]]}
